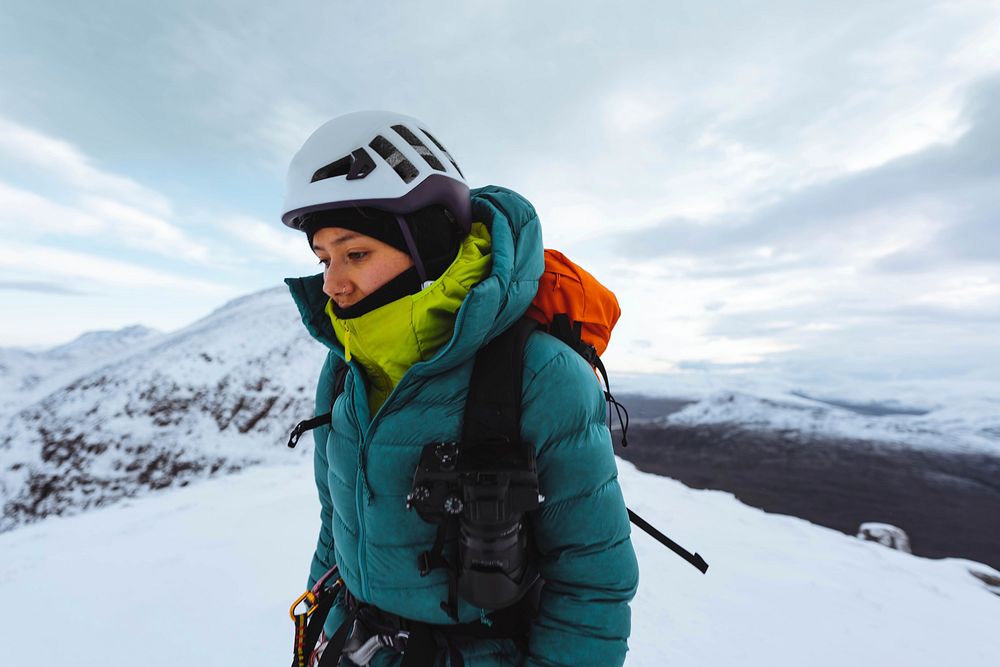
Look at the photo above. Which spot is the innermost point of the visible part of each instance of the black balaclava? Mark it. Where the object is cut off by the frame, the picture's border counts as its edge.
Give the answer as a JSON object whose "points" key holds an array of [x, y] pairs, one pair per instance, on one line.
{"points": [[435, 233]]}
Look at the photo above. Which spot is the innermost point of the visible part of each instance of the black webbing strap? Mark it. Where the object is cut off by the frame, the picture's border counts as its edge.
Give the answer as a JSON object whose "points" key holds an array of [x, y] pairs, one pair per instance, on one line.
{"points": [[339, 379], [422, 648], [335, 646], [434, 559], [493, 406], [694, 559], [307, 425]]}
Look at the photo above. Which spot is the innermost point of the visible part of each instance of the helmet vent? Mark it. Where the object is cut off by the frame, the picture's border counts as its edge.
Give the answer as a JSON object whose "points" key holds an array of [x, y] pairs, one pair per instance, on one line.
{"points": [[396, 160], [419, 146], [443, 150], [356, 165], [338, 168]]}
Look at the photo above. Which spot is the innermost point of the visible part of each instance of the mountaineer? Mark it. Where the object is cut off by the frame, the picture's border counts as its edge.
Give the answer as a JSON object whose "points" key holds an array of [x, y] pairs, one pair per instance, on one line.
{"points": [[436, 562]]}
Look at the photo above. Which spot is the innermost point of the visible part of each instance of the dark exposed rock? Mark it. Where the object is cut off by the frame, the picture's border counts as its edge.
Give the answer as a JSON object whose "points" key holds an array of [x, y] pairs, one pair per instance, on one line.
{"points": [[990, 579], [948, 501]]}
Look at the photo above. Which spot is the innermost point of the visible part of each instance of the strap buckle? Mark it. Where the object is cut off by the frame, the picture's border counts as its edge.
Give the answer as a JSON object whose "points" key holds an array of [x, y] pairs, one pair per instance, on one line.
{"points": [[360, 650]]}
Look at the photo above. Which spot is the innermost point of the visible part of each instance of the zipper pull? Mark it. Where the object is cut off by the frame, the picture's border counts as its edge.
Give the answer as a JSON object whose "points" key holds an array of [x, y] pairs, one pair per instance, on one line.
{"points": [[347, 344]]}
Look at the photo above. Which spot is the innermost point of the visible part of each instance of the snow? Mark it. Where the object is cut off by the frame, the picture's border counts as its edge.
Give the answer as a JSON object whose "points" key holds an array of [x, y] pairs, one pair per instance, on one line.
{"points": [[26, 376], [205, 575], [157, 410], [115, 416], [953, 415]]}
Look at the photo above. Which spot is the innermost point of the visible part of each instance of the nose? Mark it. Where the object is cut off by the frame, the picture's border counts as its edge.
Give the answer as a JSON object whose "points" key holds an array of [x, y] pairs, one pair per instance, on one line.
{"points": [[334, 282]]}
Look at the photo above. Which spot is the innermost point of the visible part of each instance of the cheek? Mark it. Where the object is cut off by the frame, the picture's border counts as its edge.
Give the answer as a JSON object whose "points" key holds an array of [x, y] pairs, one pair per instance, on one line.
{"points": [[372, 279], [383, 273]]}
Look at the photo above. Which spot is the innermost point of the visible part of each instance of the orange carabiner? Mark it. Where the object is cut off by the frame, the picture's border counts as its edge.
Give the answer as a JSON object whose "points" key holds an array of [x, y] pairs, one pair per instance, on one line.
{"points": [[308, 597]]}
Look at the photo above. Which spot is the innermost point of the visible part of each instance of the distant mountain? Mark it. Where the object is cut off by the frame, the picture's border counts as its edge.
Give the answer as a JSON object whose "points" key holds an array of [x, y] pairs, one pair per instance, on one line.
{"points": [[26, 376], [127, 411], [104, 342], [957, 416], [115, 413]]}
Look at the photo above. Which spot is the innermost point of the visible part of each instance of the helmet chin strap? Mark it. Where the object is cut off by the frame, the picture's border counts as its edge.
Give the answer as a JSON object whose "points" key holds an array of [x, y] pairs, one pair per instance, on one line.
{"points": [[412, 247]]}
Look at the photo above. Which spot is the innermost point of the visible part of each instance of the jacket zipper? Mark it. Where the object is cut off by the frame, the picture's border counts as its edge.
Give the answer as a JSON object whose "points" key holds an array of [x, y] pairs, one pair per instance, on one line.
{"points": [[347, 343], [363, 496]]}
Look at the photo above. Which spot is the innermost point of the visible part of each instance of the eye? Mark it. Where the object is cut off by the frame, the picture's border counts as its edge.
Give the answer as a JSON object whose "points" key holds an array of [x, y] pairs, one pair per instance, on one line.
{"points": [[325, 263], [357, 255]]}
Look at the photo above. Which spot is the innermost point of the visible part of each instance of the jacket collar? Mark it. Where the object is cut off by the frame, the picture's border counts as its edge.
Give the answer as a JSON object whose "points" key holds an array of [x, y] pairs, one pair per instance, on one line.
{"points": [[491, 306]]}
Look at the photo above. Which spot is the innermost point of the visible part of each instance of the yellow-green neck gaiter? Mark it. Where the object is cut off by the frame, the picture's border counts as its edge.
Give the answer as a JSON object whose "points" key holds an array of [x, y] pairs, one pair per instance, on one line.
{"points": [[390, 339]]}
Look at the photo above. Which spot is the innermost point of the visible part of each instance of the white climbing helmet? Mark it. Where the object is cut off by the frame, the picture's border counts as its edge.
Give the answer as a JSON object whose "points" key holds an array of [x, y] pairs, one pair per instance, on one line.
{"points": [[380, 159]]}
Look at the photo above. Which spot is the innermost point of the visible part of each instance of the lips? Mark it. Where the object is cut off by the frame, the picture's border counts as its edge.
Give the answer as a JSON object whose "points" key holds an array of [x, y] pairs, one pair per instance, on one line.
{"points": [[344, 302]]}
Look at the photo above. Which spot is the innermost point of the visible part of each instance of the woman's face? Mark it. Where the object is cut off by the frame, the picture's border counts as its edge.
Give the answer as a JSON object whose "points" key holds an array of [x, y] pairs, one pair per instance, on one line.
{"points": [[355, 265]]}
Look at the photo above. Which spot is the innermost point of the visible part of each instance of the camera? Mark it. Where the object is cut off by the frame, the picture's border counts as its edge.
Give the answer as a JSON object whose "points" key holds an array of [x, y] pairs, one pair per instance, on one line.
{"points": [[487, 487]]}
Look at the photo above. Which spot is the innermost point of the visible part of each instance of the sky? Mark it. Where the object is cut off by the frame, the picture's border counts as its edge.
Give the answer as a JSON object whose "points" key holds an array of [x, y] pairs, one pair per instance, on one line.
{"points": [[807, 188]]}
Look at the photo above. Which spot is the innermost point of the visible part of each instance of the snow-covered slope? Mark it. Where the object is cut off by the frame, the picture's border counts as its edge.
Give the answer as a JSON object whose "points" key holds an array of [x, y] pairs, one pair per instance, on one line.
{"points": [[205, 575], [27, 376], [213, 397]]}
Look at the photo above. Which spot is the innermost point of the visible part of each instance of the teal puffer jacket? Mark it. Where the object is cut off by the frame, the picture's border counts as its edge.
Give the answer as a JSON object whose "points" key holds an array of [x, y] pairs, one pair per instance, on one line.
{"points": [[364, 468]]}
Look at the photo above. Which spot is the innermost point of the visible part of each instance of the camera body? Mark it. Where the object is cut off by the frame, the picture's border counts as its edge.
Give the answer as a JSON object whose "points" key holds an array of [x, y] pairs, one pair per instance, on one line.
{"points": [[487, 487]]}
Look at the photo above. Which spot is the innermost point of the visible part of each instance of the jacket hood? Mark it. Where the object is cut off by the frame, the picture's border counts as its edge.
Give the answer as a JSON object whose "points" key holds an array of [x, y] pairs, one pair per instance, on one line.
{"points": [[491, 306]]}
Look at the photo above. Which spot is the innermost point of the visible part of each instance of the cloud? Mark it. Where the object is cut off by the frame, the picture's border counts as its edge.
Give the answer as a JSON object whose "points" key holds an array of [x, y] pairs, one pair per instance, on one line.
{"points": [[24, 212], [942, 202], [136, 228], [42, 287], [822, 157], [77, 269], [272, 240], [95, 202], [62, 162]]}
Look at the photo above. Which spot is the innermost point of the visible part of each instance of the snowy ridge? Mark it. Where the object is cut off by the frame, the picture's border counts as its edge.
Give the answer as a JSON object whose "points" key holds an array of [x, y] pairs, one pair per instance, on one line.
{"points": [[955, 416], [779, 592], [27, 376], [212, 397], [116, 413], [816, 418]]}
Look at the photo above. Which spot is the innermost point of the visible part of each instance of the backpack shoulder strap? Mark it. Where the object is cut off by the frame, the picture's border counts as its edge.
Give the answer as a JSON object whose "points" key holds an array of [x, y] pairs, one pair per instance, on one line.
{"points": [[493, 406]]}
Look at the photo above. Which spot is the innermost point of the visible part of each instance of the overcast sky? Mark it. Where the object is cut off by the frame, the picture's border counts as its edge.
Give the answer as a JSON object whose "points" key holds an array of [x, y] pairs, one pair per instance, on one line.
{"points": [[785, 185]]}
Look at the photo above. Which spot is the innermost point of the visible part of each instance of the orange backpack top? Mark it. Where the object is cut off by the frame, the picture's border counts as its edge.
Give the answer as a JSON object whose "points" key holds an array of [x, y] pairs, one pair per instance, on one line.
{"points": [[572, 306], [566, 289]]}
